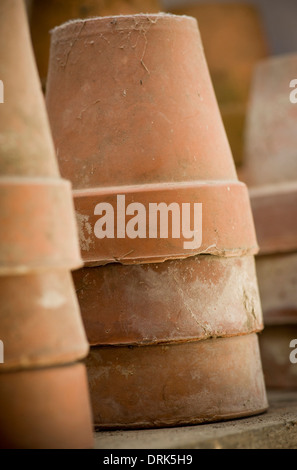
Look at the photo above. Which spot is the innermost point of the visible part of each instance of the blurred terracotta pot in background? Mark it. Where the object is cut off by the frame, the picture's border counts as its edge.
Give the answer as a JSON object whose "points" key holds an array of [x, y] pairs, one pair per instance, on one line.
{"points": [[39, 315], [40, 320], [33, 197], [270, 151], [270, 170], [279, 371], [270, 155]]}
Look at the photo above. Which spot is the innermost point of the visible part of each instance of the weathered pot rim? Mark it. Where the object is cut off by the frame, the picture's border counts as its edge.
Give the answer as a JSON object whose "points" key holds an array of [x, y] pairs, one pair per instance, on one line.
{"points": [[126, 20], [220, 236], [136, 345]]}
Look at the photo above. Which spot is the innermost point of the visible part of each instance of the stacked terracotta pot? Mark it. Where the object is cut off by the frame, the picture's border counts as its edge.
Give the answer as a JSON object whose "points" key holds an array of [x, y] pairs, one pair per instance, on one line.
{"points": [[171, 321], [45, 15], [234, 41], [43, 391], [270, 171]]}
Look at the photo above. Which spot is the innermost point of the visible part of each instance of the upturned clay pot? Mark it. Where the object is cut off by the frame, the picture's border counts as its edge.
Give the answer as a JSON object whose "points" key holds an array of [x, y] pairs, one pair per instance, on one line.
{"points": [[47, 15], [270, 170], [234, 41], [175, 301], [34, 199], [40, 322], [270, 151], [279, 371], [270, 163], [45, 409], [39, 316], [143, 123], [26, 145], [155, 386]]}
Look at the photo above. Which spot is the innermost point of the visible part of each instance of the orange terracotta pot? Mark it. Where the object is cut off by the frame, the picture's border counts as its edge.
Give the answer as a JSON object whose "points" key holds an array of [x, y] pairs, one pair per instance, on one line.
{"points": [[47, 15], [234, 41], [155, 386], [26, 145], [270, 167], [33, 197], [270, 152], [45, 409], [175, 301], [131, 132], [270, 170], [40, 321], [279, 371]]}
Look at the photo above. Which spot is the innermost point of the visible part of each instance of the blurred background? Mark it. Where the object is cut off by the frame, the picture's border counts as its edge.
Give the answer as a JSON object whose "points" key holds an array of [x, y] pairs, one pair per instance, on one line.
{"points": [[279, 19]]}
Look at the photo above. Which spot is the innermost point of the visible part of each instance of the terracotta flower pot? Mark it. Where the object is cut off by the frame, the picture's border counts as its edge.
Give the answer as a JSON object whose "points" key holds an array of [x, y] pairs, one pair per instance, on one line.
{"points": [[234, 41], [29, 404], [33, 198], [129, 131], [279, 371], [39, 316], [155, 386], [271, 148], [40, 321], [270, 170], [46, 15], [174, 301], [270, 155]]}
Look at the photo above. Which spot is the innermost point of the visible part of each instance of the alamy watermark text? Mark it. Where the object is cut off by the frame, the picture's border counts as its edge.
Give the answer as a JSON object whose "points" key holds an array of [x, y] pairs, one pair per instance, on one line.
{"points": [[155, 220]]}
